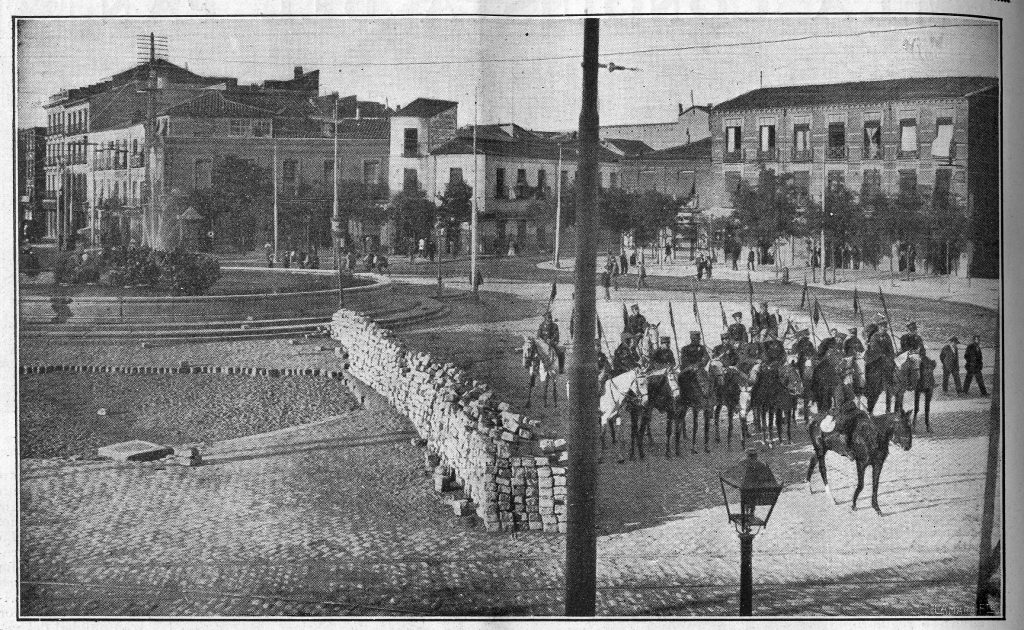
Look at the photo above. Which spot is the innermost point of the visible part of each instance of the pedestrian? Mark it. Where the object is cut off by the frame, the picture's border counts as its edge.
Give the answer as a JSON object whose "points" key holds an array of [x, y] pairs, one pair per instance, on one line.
{"points": [[423, 248], [750, 260], [700, 266], [478, 281], [668, 251], [708, 263], [950, 359], [286, 260], [623, 263], [606, 282], [735, 257], [632, 257], [268, 251], [641, 277], [925, 385], [972, 361]]}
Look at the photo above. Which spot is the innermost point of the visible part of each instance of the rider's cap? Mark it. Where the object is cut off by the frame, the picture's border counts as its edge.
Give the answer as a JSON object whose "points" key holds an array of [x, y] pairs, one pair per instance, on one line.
{"points": [[764, 303], [803, 332], [695, 334], [738, 315], [840, 336], [953, 339], [635, 306], [880, 319], [853, 331], [666, 340], [912, 325]]}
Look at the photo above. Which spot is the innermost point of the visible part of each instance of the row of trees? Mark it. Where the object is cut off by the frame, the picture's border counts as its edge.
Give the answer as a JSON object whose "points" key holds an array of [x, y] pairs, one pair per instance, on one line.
{"points": [[934, 222]]}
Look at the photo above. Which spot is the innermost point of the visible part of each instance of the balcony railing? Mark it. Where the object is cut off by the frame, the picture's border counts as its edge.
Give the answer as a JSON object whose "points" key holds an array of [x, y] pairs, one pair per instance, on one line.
{"points": [[949, 159], [835, 153], [768, 155], [733, 157], [803, 155], [872, 152], [908, 155]]}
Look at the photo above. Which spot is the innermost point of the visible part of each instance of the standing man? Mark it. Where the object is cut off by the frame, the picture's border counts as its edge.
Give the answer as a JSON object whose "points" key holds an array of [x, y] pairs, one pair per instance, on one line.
{"points": [[925, 385], [641, 276], [950, 360], [972, 361], [737, 330], [623, 263], [910, 340], [268, 251], [606, 282], [750, 260]]}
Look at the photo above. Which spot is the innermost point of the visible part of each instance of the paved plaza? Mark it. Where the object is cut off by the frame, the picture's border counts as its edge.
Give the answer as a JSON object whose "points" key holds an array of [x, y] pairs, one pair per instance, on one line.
{"points": [[337, 517]]}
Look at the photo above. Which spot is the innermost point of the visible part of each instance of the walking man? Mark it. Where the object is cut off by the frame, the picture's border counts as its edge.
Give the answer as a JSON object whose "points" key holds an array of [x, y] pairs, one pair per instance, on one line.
{"points": [[972, 361], [606, 282], [950, 360], [268, 251], [641, 276], [750, 260]]}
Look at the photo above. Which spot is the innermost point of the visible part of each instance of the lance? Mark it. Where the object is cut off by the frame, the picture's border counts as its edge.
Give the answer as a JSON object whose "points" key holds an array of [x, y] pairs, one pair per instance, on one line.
{"points": [[672, 323], [828, 329], [803, 294], [810, 314], [625, 317], [725, 320], [700, 323], [601, 335], [885, 309], [857, 308]]}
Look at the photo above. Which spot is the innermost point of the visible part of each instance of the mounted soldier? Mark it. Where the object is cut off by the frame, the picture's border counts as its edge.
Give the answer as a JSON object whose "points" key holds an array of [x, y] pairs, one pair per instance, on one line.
{"points": [[737, 330], [879, 364], [663, 356], [910, 340], [774, 351], [694, 354], [803, 347], [636, 324], [765, 321], [625, 357], [853, 346], [726, 351], [548, 333]]}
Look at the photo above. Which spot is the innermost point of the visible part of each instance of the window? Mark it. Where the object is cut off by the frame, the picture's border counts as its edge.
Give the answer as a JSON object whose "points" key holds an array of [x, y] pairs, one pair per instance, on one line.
{"points": [[411, 182], [732, 184], [542, 183], [836, 140], [908, 137], [614, 183], [908, 182], [522, 187], [261, 127], [454, 175], [872, 140], [236, 127], [290, 175], [371, 171], [942, 145], [872, 183], [767, 136], [411, 146], [499, 184], [836, 180], [802, 183], [802, 142], [733, 142]]}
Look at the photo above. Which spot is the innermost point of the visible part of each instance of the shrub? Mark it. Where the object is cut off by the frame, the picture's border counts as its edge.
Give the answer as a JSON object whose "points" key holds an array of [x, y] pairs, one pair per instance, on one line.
{"points": [[188, 273], [65, 268]]}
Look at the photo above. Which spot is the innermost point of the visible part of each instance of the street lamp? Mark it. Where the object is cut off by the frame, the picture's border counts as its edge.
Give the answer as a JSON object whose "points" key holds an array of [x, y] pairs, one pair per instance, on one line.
{"points": [[750, 484]]}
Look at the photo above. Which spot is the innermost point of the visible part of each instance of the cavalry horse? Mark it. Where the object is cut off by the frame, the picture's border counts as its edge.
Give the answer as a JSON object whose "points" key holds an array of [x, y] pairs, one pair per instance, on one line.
{"points": [[695, 393], [727, 387], [625, 393], [906, 376], [869, 439], [774, 394], [541, 361]]}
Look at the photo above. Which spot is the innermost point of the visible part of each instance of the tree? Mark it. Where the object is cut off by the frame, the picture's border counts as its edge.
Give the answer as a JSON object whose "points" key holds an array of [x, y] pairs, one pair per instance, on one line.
{"points": [[947, 228], [238, 201], [616, 210], [414, 213], [842, 220], [769, 209], [899, 220], [652, 212]]}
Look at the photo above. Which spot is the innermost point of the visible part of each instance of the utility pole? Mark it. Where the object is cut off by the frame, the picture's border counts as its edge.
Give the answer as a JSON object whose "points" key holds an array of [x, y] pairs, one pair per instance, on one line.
{"points": [[581, 540], [824, 178], [336, 231], [151, 229], [274, 171], [558, 209], [473, 246], [986, 557]]}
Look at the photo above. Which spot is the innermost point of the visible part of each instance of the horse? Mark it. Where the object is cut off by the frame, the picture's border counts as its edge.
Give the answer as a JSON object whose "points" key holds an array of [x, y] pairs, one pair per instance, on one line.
{"points": [[663, 395], [869, 439], [695, 394], [727, 386], [779, 399], [540, 360], [625, 392], [825, 374], [906, 375]]}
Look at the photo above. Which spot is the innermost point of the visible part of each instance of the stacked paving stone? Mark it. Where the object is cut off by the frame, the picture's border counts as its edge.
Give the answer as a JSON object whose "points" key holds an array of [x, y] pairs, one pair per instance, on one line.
{"points": [[474, 442]]}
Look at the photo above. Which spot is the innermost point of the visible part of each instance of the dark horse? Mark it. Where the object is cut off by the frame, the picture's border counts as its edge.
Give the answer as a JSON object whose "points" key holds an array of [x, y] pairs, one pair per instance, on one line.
{"points": [[727, 384], [869, 439], [660, 396], [695, 394], [774, 394]]}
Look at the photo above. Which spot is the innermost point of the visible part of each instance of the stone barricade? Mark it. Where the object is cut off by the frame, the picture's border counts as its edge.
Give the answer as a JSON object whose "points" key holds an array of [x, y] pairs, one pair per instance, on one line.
{"points": [[516, 480]]}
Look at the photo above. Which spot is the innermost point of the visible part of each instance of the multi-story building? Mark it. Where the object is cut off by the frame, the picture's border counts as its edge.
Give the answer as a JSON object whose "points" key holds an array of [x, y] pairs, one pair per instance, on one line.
{"points": [[685, 173], [162, 128], [31, 182], [512, 172], [690, 126], [887, 136]]}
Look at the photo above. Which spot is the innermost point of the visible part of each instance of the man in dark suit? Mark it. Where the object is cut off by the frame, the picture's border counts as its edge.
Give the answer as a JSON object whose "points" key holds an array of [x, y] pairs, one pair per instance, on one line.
{"points": [[972, 361], [950, 360], [910, 340]]}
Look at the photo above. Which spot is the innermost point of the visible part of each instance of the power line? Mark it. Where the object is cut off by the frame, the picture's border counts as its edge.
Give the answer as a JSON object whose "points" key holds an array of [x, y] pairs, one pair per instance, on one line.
{"points": [[603, 54]]}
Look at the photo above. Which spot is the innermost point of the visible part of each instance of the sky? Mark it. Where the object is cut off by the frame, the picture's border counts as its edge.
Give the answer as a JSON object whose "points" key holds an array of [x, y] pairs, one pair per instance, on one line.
{"points": [[508, 62]]}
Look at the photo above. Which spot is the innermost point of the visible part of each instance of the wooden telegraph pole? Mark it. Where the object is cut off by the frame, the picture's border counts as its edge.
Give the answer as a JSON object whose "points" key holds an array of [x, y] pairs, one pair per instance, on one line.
{"points": [[581, 541]]}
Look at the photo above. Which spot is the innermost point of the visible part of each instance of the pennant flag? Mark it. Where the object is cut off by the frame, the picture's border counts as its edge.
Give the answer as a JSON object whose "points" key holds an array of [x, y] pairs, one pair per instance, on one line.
{"points": [[554, 292], [856, 305], [750, 287], [803, 294], [725, 320], [695, 313], [671, 317], [817, 312], [625, 317]]}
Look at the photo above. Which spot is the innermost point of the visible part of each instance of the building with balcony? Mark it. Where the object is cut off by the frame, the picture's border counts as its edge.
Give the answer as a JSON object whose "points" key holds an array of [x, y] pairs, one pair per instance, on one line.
{"points": [[891, 135], [160, 127], [31, 182], [513, 172]]}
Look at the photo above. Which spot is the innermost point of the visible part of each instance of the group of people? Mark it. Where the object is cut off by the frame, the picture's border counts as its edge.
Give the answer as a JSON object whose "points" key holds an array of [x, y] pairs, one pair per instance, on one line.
{"points": [[618, 265], [290, 258]]}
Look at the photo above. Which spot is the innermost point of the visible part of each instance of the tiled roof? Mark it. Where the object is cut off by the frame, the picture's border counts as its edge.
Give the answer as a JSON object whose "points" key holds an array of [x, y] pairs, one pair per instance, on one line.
{"points": [[859, 92], [214, 104], [629, 147], [530, 148], [695, 151], [425, 108]]}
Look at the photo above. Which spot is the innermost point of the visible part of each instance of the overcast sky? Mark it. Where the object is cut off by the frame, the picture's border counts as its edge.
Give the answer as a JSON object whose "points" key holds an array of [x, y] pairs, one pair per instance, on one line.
{"points": [[55, 54]]}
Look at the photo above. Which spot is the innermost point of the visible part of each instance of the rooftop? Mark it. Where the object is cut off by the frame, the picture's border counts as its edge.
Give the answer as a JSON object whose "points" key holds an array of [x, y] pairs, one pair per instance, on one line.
{"points": [[425, 108], [859, 92], [695, 151], [510, 140], [628, 147]]}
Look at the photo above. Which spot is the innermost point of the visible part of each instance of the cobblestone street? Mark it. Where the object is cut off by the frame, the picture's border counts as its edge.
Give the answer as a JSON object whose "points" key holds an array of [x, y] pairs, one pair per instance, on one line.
{"points": [[336, 517]]}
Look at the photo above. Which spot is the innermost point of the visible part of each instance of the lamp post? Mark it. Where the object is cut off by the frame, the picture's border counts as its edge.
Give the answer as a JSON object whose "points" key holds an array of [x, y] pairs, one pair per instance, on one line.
{"points": [[750, 484]]}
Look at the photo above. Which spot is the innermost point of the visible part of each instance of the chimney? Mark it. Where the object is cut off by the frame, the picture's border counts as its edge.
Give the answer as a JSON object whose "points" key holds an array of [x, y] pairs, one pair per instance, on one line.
{"points": [[298, 71]]}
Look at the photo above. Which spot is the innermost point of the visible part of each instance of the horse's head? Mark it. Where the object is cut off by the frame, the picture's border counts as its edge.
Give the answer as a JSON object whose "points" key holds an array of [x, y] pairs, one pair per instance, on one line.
{"points": [[903, 434], [528, 350]]}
